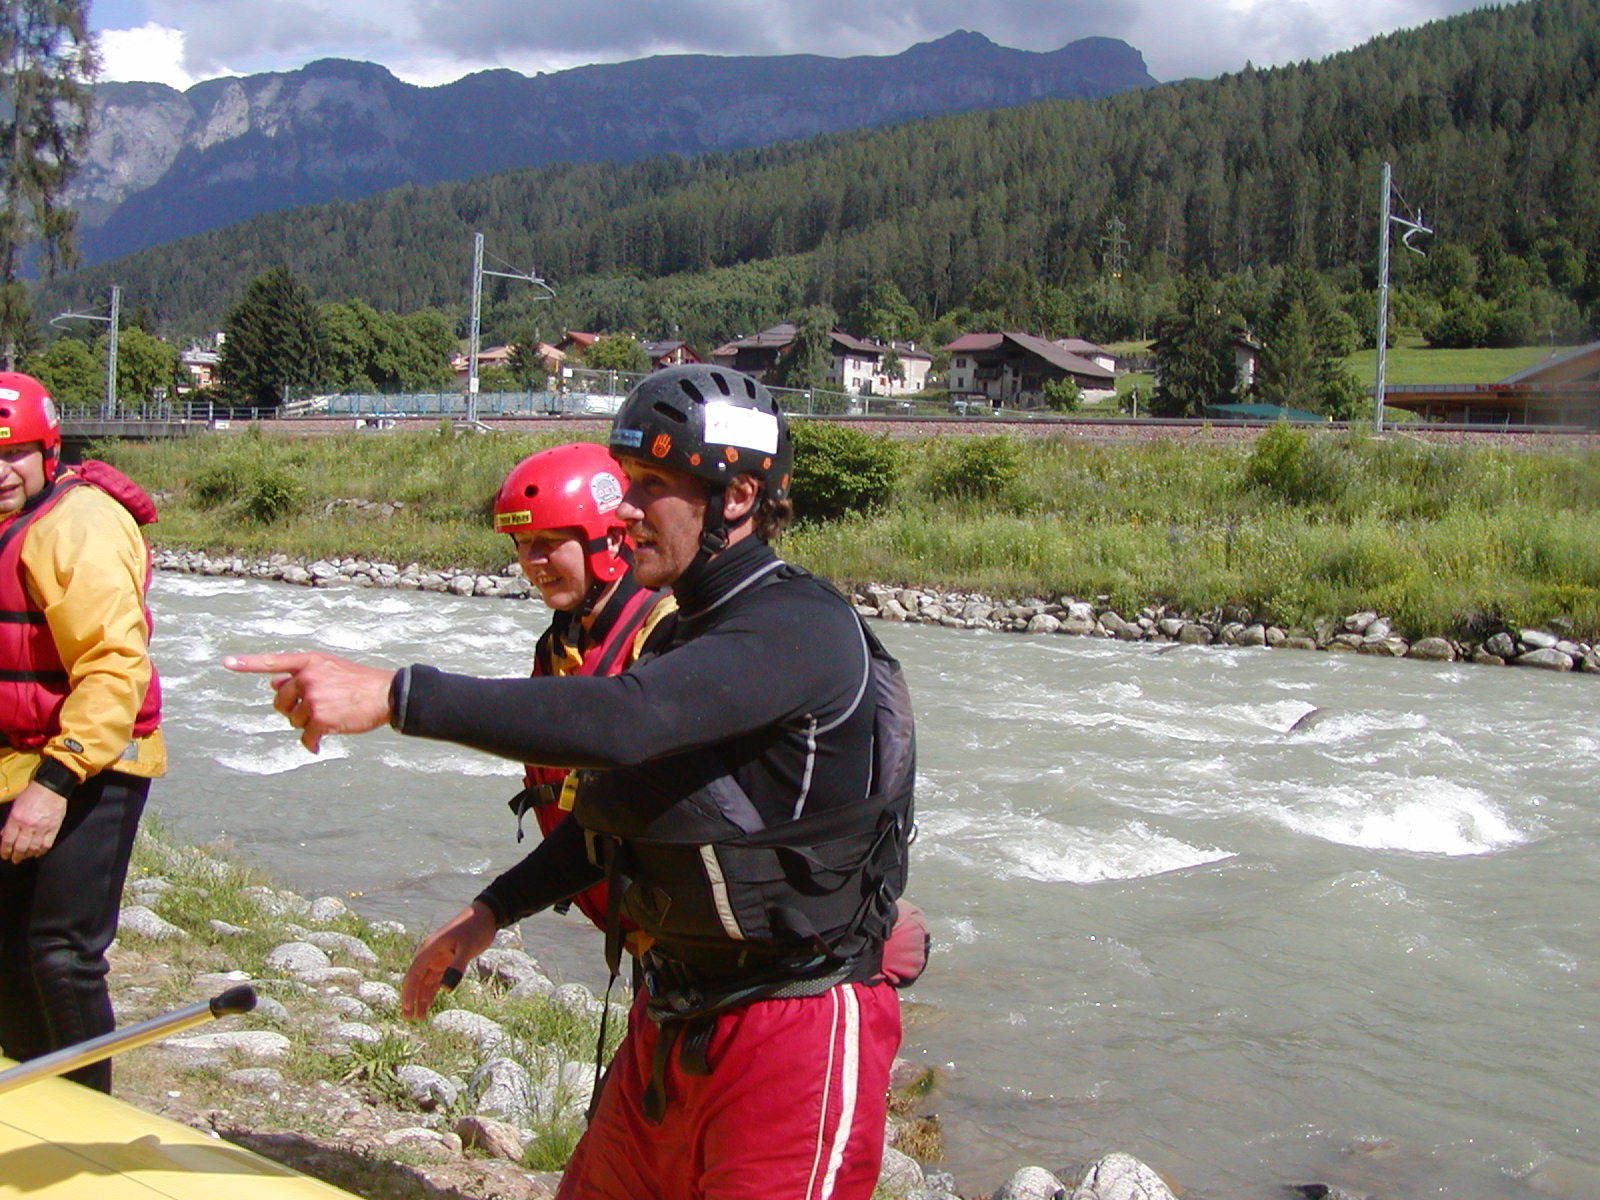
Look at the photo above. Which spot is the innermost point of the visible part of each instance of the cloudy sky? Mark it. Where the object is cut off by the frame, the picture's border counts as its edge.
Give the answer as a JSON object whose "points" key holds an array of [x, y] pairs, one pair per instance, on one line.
{"points": [[434, 41]]}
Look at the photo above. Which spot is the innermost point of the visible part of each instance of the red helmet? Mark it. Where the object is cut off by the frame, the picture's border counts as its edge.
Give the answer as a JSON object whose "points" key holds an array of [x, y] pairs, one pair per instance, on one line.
{"points": [[574, 486], [27, 414]]}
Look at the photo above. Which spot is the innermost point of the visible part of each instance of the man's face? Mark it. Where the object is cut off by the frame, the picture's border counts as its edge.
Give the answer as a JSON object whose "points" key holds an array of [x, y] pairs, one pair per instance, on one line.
{"points": [[664, 511], [554, 562], [21, 475]]}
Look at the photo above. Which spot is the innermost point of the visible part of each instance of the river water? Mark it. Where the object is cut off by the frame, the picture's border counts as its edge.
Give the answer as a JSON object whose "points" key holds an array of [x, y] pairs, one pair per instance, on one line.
{"points": [[1256, 917]]}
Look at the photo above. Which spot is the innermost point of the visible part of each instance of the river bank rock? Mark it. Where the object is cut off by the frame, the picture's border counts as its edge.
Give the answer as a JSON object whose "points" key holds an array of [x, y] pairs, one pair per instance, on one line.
{"points": [[1365, 632]]}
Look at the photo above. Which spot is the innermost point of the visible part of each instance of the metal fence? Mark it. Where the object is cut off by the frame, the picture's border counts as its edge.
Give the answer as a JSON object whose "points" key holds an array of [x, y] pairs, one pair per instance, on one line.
{"points": [[580, 391]]}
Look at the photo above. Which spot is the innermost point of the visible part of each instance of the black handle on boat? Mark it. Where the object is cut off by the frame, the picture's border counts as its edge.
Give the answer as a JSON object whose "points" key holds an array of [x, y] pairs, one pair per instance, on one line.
{"points": [[239, 999]]}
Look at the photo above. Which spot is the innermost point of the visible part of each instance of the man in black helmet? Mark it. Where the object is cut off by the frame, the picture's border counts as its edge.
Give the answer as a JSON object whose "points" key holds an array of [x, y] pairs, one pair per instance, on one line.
{"points": [[749, 798]]}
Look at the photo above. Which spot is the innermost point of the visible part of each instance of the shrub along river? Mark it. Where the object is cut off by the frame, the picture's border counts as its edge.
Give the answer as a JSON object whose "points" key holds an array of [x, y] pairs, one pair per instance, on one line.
{"points": [[1253, 916]]}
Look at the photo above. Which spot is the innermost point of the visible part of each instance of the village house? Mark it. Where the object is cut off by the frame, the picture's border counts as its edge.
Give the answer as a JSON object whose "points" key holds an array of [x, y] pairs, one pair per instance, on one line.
{"points": [[200, 364], [757, 354], [857, 365], [863, 367], [488, 357], [1010, 370], [669, 354]]}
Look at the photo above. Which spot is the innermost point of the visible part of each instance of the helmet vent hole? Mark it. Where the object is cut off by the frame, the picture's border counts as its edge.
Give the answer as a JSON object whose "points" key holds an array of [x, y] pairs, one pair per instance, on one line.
{"points": [[666, 410], [721, 382], [531, 490], [5, 412]]}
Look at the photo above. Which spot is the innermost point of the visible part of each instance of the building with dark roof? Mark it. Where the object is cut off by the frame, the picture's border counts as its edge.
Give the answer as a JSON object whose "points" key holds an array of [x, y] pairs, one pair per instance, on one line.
{"points": [[1010, 370], [854, 364]]}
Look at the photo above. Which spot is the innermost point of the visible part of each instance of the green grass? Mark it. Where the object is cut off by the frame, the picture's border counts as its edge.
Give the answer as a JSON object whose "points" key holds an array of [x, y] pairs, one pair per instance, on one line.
{"points": [[1410, 361], [1444, 539], [207, 885]]}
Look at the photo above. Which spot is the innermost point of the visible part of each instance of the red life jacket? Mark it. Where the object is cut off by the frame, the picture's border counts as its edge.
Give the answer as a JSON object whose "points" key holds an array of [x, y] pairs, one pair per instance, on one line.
{"points": [[33, 679], [605, 652]]}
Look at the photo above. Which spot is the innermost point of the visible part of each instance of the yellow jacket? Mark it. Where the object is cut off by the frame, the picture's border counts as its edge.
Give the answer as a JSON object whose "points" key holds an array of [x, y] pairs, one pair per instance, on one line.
{"points": [[83, 567]]}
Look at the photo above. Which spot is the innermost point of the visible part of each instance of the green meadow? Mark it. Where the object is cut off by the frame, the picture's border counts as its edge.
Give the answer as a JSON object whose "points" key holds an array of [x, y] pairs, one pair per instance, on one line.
{"points": [[1302, 525]]}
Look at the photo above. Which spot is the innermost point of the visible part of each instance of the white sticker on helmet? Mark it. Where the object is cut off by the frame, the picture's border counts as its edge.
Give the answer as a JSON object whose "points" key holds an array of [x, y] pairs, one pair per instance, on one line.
{"points": [[10, 394], [735, 425], [606, 489]]}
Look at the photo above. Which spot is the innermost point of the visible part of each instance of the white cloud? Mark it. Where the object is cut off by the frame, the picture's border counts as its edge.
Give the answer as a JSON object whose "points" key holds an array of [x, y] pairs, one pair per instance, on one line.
{"points": [[150, 54]]}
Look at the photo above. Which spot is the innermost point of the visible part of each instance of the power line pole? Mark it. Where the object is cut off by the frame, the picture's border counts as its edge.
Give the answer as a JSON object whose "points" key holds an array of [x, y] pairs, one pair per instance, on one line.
{"points": [[1411, 229], [474, 326], [109, 407], [1116, 243], [1383, 301]]}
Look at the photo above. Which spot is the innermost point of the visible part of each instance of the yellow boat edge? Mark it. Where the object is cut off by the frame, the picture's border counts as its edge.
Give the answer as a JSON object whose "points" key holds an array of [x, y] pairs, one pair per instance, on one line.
{"points": [[62, 1141]]}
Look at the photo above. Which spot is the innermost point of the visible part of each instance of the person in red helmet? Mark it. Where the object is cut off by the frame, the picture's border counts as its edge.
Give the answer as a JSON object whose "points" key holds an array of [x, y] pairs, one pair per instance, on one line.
{"points": [[80, 713], [747, 791], [559, 507]]}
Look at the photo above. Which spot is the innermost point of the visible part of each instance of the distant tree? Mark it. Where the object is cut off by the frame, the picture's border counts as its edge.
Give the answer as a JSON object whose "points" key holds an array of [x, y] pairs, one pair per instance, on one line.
{"points": [[618, 352], [1009, 296], [892, 367], [1305, 338], [275, 341], [805, 363], [1194, 350], [498, 379], [885, 315], [1465, 319], [1062, 395], [371, 351], [146, 366], [47, 64], [525, 364], [70, 369]]}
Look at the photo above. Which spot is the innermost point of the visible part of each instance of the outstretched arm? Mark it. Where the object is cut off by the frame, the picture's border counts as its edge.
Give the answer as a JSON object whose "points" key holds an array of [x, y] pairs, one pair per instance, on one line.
{"points": [[322, 693]]}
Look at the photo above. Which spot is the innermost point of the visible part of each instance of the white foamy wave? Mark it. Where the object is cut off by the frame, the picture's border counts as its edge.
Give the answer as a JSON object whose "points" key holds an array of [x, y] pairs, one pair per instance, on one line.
{"points": [[963, 932], [274, 629], [1433, 816], [1132, 851], [1343, 725], [277, 759], [197, 585], [344, 637], [476, 766]]}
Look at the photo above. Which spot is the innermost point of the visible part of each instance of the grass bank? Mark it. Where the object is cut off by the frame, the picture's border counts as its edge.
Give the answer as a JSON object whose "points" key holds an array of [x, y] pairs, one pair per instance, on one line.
{"points": [[346, 1090], [1302, 524]]}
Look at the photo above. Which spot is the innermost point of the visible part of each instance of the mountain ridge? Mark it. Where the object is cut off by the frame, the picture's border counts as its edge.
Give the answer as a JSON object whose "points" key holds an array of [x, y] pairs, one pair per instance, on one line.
{"points": [[165, 163]]}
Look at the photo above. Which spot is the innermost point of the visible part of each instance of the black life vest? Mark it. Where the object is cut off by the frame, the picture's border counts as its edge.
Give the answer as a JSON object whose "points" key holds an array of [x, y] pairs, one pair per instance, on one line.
{"points": [[740, 908]]}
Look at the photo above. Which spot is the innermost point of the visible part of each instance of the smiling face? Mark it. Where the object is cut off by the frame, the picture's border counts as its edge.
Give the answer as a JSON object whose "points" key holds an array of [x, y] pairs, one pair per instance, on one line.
{"points": [[21, 475], [555, 563], [664, 511]]}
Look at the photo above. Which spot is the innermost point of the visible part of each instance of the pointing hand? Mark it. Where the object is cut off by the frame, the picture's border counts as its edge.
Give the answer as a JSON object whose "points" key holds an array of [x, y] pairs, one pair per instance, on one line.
{"points": [[321, 693]]}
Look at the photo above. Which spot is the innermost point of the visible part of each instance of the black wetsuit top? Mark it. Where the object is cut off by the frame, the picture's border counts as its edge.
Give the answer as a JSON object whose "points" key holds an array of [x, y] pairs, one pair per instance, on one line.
{"points": [[767, 667]]}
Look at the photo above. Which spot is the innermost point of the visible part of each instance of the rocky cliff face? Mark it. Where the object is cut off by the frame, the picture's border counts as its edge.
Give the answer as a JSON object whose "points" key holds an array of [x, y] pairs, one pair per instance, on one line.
{"points": [[164, 164]]}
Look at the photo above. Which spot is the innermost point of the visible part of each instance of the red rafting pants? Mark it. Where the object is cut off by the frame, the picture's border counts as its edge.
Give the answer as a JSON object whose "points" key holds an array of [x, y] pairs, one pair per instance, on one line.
{"points": [[793, 1109]]}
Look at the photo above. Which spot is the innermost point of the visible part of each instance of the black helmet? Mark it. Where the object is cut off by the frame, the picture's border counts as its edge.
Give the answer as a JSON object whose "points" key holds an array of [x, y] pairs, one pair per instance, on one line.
{"points": [[710, 421]]}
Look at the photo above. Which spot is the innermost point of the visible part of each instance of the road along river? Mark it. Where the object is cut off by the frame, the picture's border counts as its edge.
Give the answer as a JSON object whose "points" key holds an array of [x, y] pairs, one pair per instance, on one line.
{"points": [[1253, 916]]}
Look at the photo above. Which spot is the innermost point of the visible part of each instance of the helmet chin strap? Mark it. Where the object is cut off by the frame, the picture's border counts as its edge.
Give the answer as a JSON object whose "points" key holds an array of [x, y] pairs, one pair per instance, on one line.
{"points": [[598, 586], [714, 530]]}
